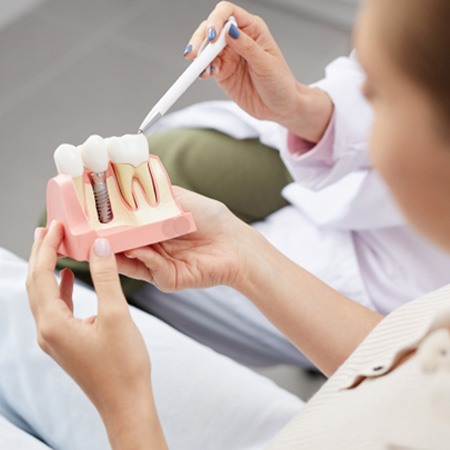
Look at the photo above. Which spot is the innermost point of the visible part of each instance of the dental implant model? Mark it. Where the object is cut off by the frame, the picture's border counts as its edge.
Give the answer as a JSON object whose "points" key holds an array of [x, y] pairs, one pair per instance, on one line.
{"points": [[113, 188], [95, 158]]}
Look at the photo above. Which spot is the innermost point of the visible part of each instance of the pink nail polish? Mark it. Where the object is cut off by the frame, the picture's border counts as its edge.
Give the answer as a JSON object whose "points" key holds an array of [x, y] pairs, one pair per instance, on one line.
{"points": [[52, 226], [102, 247], [37, 233]]}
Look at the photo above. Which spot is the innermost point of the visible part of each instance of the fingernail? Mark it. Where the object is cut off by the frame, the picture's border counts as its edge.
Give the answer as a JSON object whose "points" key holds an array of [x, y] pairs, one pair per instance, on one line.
{"points": [[211, 34], [187, 50], [52, 226], [102, 247], [234, 31], [212, 69], [37, 233]]}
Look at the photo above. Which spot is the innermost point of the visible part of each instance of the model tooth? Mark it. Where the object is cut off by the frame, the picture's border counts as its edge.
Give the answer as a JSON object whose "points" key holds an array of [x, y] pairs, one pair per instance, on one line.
{"points": [[129, 155], [68, 160], [94, 154], [138, 148], [128, 149], [114, 146]]}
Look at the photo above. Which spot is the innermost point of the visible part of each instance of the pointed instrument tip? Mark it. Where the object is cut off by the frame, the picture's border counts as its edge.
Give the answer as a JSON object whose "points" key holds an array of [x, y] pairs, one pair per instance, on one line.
{"points": [[145, 127]]}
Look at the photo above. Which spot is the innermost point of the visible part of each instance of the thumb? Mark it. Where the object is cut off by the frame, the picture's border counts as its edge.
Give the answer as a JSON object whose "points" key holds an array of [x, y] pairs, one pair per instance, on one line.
{"points": [[105, 275]]}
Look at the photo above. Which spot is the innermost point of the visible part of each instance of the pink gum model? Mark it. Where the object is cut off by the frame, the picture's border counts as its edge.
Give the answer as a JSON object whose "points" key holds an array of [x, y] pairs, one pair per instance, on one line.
{"points": [[129, 229]]}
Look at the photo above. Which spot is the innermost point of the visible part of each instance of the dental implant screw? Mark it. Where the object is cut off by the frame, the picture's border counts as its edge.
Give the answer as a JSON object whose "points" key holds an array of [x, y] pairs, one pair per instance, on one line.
{"points": [[101, 195]]}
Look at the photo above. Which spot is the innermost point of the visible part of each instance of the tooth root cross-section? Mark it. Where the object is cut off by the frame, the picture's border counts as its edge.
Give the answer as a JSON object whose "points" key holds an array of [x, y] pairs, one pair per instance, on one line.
{"points": [[126, 174]]}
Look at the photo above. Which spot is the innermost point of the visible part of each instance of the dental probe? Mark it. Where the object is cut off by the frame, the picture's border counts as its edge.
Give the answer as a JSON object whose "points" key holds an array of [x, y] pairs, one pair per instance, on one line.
{"points": [[207, 53]]}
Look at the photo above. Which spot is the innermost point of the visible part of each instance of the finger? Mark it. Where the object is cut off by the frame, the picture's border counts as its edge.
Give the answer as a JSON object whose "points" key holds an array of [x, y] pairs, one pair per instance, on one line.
{"points": [[146, 255], [195, 41], [133, 268], [216, 65], [38, 238], [212, 26], [222, 13], [48, 250], [41, 282], [39, 234], [206, 73], [66, 287], [106, 280]]}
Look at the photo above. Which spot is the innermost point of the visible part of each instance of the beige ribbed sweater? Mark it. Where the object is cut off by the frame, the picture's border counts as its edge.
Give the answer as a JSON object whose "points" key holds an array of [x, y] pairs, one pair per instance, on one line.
{"points": [[369, 404]]}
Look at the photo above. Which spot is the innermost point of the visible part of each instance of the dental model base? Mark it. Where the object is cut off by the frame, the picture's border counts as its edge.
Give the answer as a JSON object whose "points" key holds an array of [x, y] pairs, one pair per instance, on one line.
{"points": [[112, 188]]}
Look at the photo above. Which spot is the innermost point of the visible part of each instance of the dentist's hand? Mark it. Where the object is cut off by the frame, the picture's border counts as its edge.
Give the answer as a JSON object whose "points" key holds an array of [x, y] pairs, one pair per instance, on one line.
{"points": [[104, 354], [252, 71], [214, 254]]}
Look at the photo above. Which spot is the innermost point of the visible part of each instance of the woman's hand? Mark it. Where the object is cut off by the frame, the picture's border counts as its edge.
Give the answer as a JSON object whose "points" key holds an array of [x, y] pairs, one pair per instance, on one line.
{"points": [[252, 71], [212, 255], [105, 354]]}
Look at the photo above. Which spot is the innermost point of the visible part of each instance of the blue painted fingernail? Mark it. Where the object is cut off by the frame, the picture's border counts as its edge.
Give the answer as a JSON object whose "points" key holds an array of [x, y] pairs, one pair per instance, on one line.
{"points": [[211, 34], [212, 69], [234, 31], [188, 49]]}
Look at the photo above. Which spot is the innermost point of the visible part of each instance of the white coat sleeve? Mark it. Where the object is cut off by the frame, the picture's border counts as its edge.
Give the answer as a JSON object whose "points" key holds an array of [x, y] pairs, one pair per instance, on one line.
{"points": [[365, 202], [344, 147]]}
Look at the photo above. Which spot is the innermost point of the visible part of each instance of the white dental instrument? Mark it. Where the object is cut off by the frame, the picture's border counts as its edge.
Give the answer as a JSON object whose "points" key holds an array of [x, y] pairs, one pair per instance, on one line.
{"points": [[206, 54]]}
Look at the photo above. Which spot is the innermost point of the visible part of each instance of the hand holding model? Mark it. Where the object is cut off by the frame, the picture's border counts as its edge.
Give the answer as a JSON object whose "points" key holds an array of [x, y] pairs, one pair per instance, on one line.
{"points": [[105, 354], [213, 255], [252, 71]]}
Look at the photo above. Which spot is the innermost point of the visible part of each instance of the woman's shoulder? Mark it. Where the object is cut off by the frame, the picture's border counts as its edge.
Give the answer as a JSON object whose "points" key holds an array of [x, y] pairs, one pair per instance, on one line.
{"points": [[358, 405]]}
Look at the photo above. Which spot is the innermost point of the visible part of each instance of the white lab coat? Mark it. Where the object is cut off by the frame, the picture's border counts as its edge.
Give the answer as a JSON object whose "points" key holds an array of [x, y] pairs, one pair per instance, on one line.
{"points": [[342, 224]]}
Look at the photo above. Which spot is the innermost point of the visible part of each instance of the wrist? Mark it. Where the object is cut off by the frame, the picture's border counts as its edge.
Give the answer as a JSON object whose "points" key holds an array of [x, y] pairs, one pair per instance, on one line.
{"points": [[310, 114], [252, 247], [133, 423]]}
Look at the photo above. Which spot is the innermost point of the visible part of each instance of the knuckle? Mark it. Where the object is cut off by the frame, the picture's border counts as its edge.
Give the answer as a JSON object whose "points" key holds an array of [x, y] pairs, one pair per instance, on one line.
{"points": [[260, 23], [223, 4], [104, 274], [115, 316], [258, 20], [47, 333], [42, 343], [223, 7], [28, 283]]}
